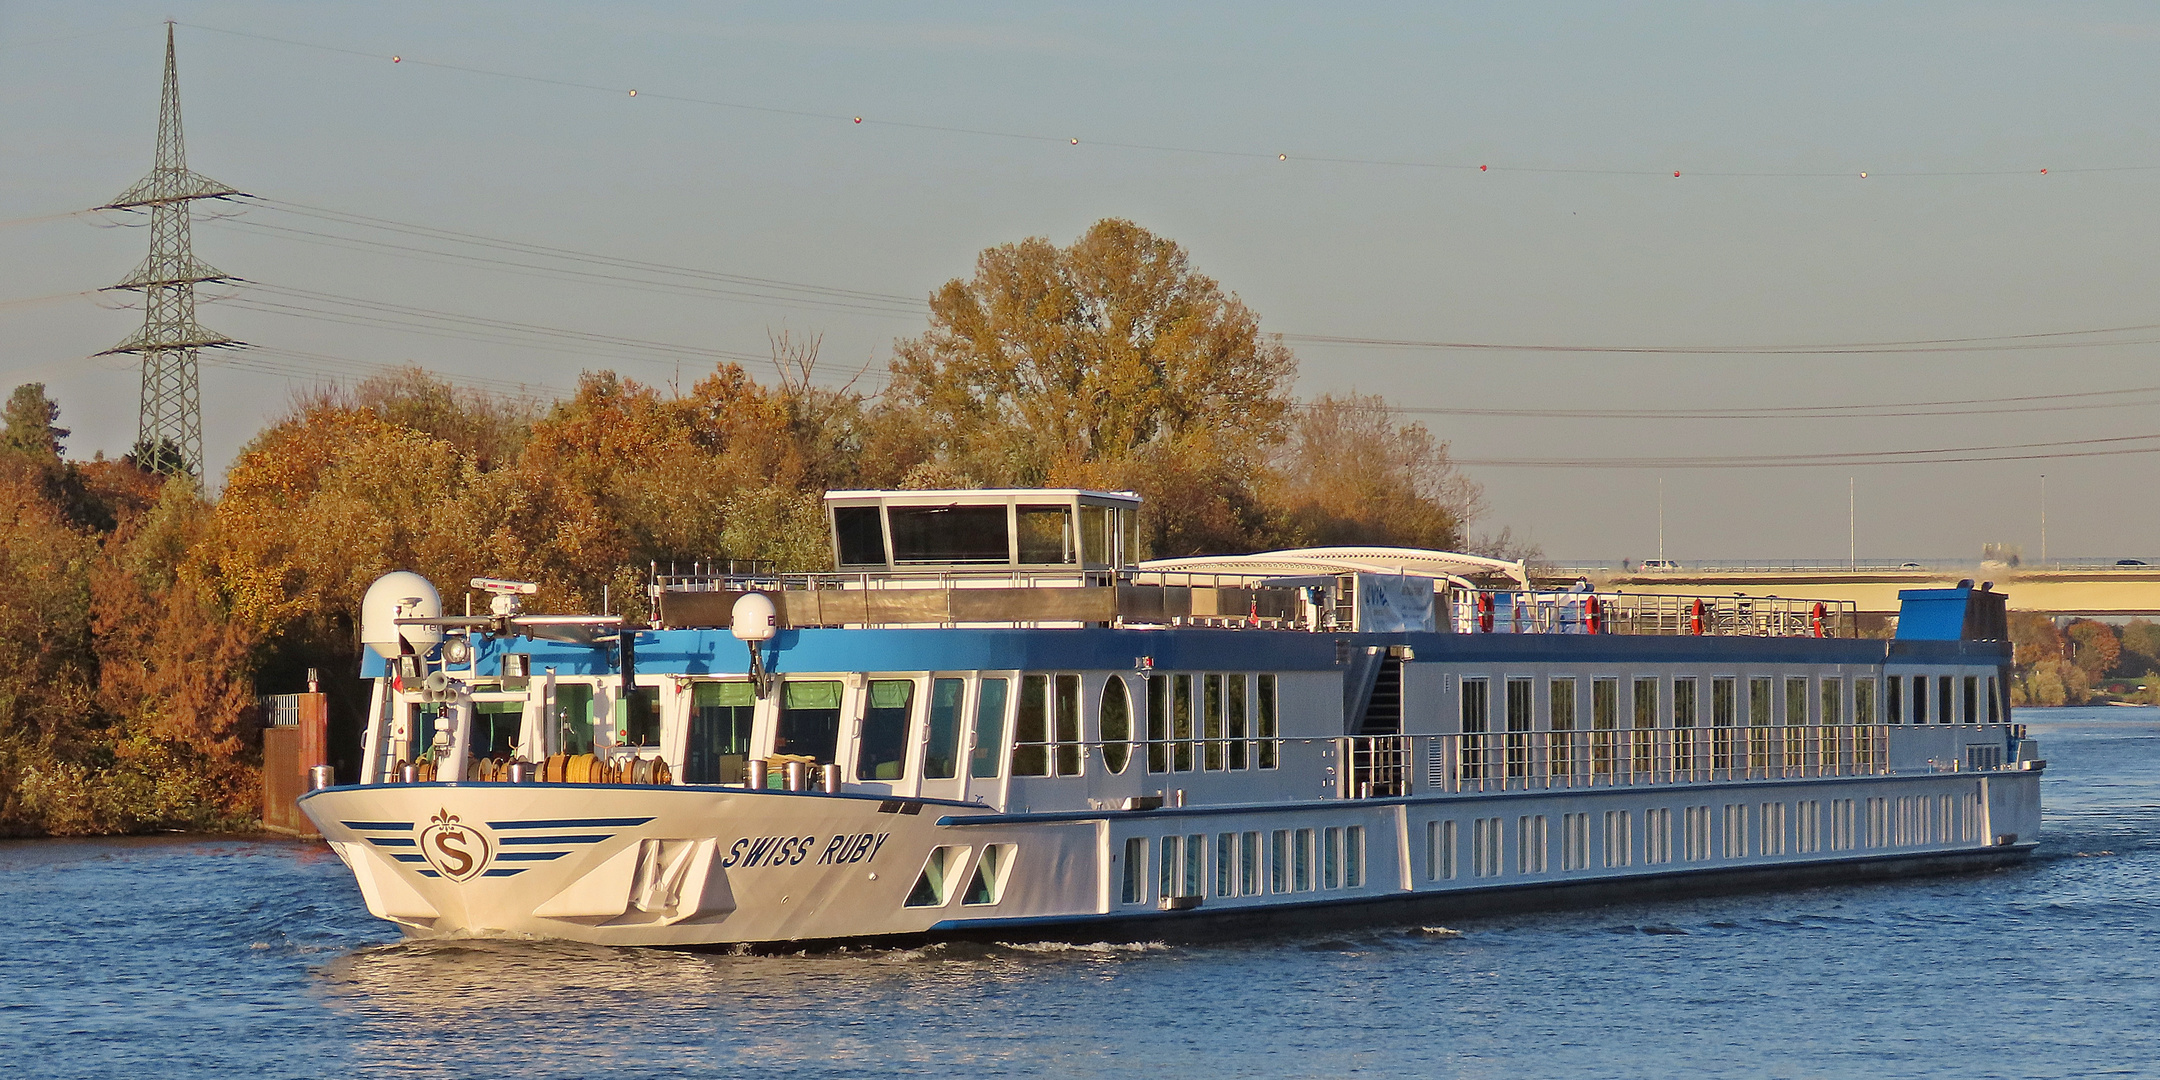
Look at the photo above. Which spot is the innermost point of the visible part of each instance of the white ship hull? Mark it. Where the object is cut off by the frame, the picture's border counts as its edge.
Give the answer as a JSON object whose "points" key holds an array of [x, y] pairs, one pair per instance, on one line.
{"points": [[691, 866]]}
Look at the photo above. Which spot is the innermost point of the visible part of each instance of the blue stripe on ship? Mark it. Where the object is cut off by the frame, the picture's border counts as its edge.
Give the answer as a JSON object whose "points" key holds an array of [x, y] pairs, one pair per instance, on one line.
{"points": [[409, 858], [530, 856], [378, 826], [509, 840], [572, 823], [391, 841], [429, 873], [502, 873]]}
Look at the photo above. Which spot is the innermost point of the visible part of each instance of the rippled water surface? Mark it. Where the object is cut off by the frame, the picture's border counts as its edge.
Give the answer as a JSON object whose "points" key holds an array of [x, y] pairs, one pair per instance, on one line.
{"points": [[186, 957]]}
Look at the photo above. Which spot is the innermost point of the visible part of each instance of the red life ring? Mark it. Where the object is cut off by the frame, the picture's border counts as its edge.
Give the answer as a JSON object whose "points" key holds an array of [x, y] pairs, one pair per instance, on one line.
{"points": [[1484, 613], [1593, 618], [1695, 618], [1816, 619]]}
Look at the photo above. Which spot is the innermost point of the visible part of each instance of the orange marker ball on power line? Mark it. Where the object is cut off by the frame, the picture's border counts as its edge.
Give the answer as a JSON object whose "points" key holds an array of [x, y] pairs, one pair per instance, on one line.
{"points": [[1481, 168], [858, 119], [397, 59], [1076, 142], [633, 93], [2043, 172], [1676, 172]]}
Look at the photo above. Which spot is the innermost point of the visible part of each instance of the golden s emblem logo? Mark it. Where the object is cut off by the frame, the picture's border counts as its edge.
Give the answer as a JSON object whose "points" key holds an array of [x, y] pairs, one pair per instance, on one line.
{"points": [[456, 851]]}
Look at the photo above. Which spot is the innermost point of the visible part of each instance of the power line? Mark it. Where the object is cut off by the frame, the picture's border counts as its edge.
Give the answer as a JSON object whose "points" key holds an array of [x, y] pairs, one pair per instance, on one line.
{"points": [[1281, 155], [553, 273], [2020, 404], [2057, 339], [524, 247], [2040, 451], [2076, 338]]}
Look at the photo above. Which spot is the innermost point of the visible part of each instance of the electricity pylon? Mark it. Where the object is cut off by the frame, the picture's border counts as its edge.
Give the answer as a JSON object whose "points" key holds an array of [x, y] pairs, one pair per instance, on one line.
{"points": [[169, 435]]}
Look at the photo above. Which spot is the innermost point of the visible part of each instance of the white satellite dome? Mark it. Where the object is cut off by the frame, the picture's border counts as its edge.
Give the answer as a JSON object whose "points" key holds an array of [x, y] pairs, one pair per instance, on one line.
{"points": [[400, 594]]}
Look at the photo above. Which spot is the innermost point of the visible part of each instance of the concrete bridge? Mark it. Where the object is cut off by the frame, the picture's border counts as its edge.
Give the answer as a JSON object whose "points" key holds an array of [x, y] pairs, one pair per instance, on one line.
{"points": [[2097, 591]]}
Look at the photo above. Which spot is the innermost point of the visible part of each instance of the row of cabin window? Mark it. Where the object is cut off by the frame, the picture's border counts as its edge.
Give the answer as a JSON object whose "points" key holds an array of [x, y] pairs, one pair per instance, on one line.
{"points": [[1228, 734], [1563, 705], [1296, 860], [1732, 831], [1046, 726]]}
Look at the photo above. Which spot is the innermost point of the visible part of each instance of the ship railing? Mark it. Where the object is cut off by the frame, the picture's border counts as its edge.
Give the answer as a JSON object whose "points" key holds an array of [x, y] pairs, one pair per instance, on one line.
{"points": [[1378, 766], [1502, 612]]}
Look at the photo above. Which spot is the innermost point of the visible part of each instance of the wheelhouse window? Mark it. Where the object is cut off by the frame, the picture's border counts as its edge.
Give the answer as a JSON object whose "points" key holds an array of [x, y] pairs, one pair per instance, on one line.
{"points": [[639, 714], [573, 719], [989, 740], [949, 534], [1095, 535], [861, 534], [1942, 700], [1896, 687], [881, 754], [1114, 722], [941, 749], [719, 746], [809, 720], [496, 726], [1046, 536], [1863, 693], [1270, 746]]}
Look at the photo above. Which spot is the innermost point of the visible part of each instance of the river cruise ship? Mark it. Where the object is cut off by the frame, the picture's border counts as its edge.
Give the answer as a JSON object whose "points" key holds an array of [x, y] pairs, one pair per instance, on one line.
{"points": [[992, 721]]}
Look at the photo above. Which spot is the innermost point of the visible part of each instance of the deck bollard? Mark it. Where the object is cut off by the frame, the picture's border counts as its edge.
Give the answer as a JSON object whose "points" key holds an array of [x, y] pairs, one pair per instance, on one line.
{"points": [[320, 777], [408, 773], [798, 776], [829, 779], [520, 772], [756, 774]]}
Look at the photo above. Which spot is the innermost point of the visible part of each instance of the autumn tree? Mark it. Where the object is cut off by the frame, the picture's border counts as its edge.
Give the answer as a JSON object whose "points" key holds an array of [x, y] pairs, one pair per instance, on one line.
{"points": [[1109, 363], [1352, 473], [2093, 647], [31, 431], [2140, 647]]}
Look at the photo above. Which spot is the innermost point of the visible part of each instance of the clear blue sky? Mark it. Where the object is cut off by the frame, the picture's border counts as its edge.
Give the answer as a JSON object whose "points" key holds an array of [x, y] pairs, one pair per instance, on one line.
{"points": [[1618, 253]]}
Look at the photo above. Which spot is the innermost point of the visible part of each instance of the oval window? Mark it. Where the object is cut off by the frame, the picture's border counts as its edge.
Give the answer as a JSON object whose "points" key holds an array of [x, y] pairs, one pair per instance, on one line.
{"points": [[1116, 725]]}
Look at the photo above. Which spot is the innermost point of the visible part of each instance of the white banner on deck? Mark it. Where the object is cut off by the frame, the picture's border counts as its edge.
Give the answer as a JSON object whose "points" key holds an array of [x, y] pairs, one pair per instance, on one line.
{"points": [[1393, 603]]}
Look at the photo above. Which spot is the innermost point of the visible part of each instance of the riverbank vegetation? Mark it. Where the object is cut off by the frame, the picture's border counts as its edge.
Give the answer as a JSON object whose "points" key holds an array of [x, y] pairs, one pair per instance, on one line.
{"points": [[2083, 661], [145, 615]]}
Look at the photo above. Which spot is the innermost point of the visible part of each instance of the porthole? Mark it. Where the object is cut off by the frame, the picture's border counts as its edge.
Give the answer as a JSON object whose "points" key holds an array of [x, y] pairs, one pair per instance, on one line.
{"points": [[1116, 725]]}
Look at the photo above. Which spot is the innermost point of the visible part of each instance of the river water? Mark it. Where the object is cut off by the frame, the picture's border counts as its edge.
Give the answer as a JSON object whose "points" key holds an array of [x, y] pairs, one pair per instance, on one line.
{"points": [[190, 957]]}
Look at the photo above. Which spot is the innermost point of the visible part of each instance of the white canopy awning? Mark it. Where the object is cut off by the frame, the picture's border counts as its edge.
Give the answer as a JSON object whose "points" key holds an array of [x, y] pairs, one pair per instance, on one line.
{"points": [[1303, 562]]}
